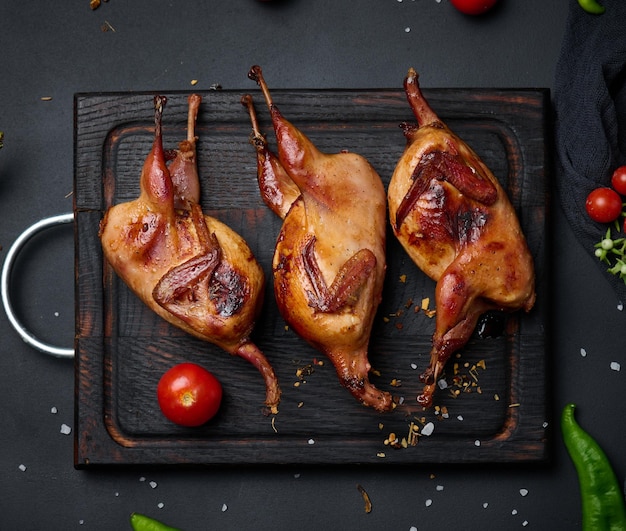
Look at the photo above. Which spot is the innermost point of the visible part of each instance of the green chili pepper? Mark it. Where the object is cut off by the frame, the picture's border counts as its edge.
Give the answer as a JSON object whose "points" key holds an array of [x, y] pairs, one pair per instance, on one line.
{"points": [[141, 522], [591, 6], [603, 505]]}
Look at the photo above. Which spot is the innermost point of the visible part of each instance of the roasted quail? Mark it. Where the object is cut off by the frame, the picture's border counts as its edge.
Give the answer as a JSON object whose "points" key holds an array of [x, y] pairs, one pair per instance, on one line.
{"points": [[457, 224], [329, 262], [191, 269]]}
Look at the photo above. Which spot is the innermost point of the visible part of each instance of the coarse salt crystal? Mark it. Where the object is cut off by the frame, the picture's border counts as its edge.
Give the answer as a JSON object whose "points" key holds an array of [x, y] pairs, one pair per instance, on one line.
{"points": [[22, 468], [414, 366], [620, 306], [224, 507], [476, 442], [81, 522], [407, 29], [523, 492], [412, 528], [142, 479], [525, 523], [442, 384], [56, 314], [54, 410], [615, 366], [485, 505], [311, 441], [428, 429], [583, 352], [65, 429], [514, 512], [160, 505], [439, 487], [296, 476], [459, 417], [544, 425], [153, 484], [428, 502]]}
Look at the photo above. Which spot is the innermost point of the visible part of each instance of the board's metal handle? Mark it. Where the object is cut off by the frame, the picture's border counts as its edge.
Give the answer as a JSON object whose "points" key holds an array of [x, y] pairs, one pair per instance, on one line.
{"points": [[14, 250]]}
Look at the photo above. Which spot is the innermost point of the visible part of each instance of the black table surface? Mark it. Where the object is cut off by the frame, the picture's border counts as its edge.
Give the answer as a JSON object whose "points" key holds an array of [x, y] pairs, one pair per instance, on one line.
{"points": [[51, 50]]}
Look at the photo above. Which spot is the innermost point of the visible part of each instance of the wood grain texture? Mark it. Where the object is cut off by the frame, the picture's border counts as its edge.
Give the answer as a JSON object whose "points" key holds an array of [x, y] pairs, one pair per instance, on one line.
{"points": [[123, 348]]}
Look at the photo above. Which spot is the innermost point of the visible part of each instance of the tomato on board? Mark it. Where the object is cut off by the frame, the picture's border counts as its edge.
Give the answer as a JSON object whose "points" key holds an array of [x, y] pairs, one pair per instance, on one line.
{"points": [[473, 7], [603, 205], [618, 180], [189, 395]]}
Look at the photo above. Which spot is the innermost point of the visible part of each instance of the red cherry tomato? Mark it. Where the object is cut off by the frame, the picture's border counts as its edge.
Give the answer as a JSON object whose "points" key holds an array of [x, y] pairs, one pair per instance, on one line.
{"points": [[604, 205], [473, 7], [618, 180], [189, 395]]}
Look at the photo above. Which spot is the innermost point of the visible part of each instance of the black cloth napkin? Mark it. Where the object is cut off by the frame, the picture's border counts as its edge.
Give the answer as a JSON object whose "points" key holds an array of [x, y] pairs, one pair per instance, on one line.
{"points": [[590, 111]]}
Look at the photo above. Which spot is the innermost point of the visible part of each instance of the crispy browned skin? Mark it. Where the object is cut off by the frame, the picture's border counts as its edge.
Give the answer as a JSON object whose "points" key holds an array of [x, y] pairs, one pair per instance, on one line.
{"points": [[457, 224], [191, 269], [329, 261]]}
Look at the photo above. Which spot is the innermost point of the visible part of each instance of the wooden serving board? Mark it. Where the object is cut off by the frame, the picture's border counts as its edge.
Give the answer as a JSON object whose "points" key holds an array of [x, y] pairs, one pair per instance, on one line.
{"points": [[491, 415]]}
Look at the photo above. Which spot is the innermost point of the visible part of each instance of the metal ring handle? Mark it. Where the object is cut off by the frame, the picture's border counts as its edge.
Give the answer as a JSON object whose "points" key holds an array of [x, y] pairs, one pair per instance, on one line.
{"points": [[14, 250]]}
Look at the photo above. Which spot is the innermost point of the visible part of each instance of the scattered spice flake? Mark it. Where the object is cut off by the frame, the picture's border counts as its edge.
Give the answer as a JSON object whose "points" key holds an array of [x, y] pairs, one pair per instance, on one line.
{"points": [[403, 279], [380, 454], [396, 383], [94, 4], [366, 498], [46, 98], [106, 26], [408, 303], [274, 423], [194, 82], [517, 404], [615, 366], [300, 404], [399, 326]]}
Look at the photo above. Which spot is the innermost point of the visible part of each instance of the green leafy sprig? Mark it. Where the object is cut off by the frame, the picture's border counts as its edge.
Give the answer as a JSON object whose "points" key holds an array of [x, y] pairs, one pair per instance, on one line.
{"points": [[612, 251]]}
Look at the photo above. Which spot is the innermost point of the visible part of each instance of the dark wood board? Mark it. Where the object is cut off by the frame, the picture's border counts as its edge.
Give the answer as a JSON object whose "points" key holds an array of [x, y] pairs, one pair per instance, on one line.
{"points": [[122, 348]]}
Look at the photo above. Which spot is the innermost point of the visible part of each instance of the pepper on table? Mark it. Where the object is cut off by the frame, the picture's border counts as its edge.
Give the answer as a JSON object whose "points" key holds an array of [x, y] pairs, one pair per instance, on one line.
{"points": [[603, 506], [141, 522]]}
